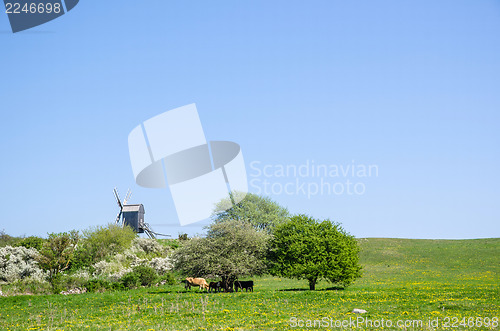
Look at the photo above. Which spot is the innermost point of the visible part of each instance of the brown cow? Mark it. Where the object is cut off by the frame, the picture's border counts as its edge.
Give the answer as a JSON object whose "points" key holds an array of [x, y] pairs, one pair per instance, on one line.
{"points": [[201, 282], [216, 286]]}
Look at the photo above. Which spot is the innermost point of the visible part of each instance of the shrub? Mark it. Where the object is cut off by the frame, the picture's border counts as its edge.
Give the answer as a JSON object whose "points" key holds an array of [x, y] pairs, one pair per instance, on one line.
{"points": [[148, 247], [101, 242], [169, 278], [56, 283], [117, 286], [161, 265], [104, 268], [126, 258], [130, 280], [114, 271], [27, 285], [98, 285], [170, 244], [140, 275], [18, 263], [56, 254], [82, 274], [6, 240], [32, 242], [147, 275], [69, 282]]}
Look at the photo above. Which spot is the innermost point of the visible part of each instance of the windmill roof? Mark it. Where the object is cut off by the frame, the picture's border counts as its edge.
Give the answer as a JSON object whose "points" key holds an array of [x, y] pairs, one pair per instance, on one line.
{"points": [[138, 207]]}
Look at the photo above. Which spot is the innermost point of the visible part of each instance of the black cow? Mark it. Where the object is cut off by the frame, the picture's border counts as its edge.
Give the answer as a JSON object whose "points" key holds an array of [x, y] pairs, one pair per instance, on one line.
{"points": [[247, 285], [187, 285], [216, 286]]}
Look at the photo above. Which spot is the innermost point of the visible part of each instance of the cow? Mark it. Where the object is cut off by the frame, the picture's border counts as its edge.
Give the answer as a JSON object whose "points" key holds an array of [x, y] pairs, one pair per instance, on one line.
{"points": [[201, 282], [247, 285], [187, 285], [216, 286]]}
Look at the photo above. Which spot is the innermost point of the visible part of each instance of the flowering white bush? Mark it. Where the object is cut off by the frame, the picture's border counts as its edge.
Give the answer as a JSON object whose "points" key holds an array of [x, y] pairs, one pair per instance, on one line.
{"points": [[137, 262], [126, 258], [119, 274], [111, 270], [104, 268], [139, 254], [148, 246], [18, 263], [82, 274], [161, 264]]}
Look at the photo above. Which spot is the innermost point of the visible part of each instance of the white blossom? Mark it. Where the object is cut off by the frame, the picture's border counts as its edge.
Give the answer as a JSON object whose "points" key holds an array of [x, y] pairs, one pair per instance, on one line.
{"points": [[18, 263]]}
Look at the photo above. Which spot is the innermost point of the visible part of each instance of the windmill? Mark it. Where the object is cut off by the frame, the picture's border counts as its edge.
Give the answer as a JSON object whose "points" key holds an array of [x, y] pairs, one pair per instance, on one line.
{"points": [[133, 215]]}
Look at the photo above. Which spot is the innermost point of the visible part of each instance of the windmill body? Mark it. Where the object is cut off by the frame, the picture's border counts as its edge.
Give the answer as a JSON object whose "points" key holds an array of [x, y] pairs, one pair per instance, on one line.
{"points": [[133, 216]]}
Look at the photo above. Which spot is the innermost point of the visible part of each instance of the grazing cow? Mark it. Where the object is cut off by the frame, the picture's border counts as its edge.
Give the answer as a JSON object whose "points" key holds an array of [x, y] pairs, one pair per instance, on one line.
{"points": [[187, 285], [247, 285], [201, 282], [216, 286]]}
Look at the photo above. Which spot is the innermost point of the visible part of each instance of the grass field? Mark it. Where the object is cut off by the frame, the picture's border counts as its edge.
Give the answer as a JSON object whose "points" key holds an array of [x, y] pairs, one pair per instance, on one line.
{"points": [[403, 280]]}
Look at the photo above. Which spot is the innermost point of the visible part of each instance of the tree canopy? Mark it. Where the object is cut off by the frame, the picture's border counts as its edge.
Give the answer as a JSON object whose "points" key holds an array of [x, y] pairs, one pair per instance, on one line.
{"points": [[230, 250], [57, 251], [304, 248], [261, 212]]}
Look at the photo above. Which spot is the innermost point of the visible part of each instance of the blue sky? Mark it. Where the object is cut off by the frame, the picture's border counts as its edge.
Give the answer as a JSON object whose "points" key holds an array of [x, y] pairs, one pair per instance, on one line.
{"points": [[411, 87]]}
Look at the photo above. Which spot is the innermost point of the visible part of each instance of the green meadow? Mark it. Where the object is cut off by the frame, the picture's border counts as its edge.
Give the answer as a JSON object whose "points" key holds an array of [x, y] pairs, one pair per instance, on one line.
{"points": [[406, 284]]}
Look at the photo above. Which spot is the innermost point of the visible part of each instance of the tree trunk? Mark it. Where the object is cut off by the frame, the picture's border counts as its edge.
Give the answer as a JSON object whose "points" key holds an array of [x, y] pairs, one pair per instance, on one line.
{"points": [[312, 284], [227, 283]]}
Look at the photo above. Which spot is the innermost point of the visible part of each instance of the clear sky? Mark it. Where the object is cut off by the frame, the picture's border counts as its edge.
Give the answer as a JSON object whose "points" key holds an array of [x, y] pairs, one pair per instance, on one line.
{"points": [[412, 87]]}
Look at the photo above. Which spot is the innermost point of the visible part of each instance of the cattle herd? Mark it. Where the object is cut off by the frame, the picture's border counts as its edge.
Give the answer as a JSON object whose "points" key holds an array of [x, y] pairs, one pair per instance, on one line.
{"points": [[230, 285]]}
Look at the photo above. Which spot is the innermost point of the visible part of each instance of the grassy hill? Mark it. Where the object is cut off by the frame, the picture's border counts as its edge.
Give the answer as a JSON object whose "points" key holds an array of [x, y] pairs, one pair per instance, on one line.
{"points": [[448, 282], [441, 261]]}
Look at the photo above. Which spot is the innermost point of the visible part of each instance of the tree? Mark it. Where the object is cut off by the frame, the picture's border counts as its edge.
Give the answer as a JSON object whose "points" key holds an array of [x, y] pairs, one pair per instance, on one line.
{"points": [[304, 248], [261, 212], [56, 255], [231, 249]]}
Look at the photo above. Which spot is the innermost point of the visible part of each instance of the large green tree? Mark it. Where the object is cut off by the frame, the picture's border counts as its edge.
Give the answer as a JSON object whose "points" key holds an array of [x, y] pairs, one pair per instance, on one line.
{"points": [[231, 249], [304, 248], [259, 211]]}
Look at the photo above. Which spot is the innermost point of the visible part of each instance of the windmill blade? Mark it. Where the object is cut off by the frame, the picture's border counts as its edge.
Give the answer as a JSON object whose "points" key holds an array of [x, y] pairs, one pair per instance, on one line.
{"points": [[127, 197], [118, 217], [118, 199]]}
